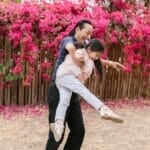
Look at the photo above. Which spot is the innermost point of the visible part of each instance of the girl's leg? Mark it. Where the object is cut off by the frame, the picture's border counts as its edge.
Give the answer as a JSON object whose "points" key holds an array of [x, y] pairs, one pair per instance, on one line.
{"points": [[64, 101], [71, 83]]}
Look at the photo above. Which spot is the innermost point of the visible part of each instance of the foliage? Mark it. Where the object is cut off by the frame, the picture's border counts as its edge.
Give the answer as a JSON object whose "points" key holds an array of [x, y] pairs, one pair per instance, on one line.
{"points": [[35, 31]]}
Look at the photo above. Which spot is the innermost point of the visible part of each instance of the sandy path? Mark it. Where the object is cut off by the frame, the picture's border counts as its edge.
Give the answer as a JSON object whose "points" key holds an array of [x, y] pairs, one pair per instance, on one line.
{"points": [[30, 133]]}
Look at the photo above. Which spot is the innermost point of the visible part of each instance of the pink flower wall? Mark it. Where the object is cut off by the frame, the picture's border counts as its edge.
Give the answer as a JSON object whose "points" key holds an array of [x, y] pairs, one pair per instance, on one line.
{"points": [[36, 29]]}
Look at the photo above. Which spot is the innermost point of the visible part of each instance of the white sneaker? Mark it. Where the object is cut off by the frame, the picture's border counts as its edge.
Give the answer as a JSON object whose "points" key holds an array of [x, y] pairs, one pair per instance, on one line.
{"points": [[57, 129], [106, 113]]}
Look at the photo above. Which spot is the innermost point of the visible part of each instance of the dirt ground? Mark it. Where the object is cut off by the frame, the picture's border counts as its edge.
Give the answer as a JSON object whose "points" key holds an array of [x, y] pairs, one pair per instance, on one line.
{"points": [[30, 133]]}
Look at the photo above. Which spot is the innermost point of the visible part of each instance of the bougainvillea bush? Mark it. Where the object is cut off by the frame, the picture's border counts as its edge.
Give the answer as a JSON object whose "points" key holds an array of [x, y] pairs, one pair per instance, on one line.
{"points": [[35, 31]]}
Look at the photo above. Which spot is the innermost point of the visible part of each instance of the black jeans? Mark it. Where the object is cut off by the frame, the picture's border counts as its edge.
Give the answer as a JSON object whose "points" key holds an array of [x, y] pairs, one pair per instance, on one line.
{"points": [[73, 118]]}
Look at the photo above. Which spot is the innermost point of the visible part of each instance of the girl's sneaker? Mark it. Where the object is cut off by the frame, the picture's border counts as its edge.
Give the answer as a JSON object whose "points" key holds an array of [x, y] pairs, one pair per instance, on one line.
{"points": [[106, 113], [57, 129]]}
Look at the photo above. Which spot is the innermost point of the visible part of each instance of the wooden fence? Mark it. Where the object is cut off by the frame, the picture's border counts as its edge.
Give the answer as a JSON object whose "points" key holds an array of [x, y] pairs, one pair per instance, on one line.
{"points": [[114, 86]]}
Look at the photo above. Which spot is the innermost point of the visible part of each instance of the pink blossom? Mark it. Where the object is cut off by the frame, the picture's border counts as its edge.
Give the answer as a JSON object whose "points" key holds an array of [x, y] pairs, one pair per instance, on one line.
{"points": [[120, 4], [117, 17], [17, 69], [15, 35], [2, 53], [114, 39], [127, 68], [26, 27], [36, 30], [27, 80], [45, 65], [2, 85], [46, 76], [101, 26]]}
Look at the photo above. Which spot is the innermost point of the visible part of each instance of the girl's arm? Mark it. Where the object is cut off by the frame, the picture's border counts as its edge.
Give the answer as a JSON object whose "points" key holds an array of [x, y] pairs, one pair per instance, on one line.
{"points": [[116, 65]]}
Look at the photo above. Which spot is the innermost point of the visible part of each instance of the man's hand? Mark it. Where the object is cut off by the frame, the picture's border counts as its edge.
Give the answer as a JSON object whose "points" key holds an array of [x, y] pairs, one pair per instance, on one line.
{"points": [[71, 49]]}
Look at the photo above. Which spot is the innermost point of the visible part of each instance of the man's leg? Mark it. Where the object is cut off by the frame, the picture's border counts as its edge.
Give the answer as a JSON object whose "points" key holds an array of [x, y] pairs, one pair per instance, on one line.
{"points": [[53, 99], [75, 124]]}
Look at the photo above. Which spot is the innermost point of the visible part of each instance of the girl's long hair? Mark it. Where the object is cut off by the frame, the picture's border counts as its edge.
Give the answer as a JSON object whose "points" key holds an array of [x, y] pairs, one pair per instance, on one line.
{"points": [[96, 46]]}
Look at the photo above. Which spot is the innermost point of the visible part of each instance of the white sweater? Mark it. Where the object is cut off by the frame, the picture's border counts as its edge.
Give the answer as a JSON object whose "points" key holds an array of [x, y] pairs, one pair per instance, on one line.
{"points": [[69, 66]]}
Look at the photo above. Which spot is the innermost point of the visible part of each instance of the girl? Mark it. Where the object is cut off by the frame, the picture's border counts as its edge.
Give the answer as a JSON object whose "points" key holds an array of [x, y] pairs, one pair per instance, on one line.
{"points": [[70, 78]]}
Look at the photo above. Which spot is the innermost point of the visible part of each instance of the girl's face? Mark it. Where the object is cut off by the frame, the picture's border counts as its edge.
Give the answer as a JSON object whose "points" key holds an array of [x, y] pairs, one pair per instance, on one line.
{"points": [[94, 55], [84, 33]]}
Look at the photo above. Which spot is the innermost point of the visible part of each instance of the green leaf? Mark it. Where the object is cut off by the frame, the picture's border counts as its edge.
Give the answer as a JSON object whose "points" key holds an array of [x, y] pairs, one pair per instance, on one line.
{"points": [[11, 77], [1, 67]]}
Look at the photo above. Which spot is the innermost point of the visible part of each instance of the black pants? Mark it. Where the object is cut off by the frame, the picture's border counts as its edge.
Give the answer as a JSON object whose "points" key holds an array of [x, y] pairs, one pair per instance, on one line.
{"points": [[73, 118]]}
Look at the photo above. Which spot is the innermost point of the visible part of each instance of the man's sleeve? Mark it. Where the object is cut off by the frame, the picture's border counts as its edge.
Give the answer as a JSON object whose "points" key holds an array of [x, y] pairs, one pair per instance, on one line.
{"points": [[65, 42]]}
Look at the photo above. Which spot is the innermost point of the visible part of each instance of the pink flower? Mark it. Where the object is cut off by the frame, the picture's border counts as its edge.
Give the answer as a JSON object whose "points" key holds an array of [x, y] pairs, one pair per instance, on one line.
{"points": [[30, 58], [2, 53], [27, 80], [45, 65], [114, 39], [17, 69], [46, 77], [127, 68], [2, 85], [148, 66], [36, 30], [15, 36], [117, 17], [120, 4], [101, 26], [26, 27]]}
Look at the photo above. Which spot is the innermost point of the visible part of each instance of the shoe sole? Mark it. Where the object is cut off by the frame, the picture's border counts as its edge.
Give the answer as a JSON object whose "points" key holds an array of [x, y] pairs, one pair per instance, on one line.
{"points": [[117, 120]]}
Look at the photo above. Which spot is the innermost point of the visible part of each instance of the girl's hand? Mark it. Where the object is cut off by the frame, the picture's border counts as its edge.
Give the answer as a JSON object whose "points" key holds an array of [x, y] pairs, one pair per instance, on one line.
{"points": [[116, 65]]}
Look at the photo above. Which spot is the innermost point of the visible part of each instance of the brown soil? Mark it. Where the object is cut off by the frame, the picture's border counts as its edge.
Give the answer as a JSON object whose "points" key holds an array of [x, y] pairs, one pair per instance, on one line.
{"points": [[30, 133]]}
